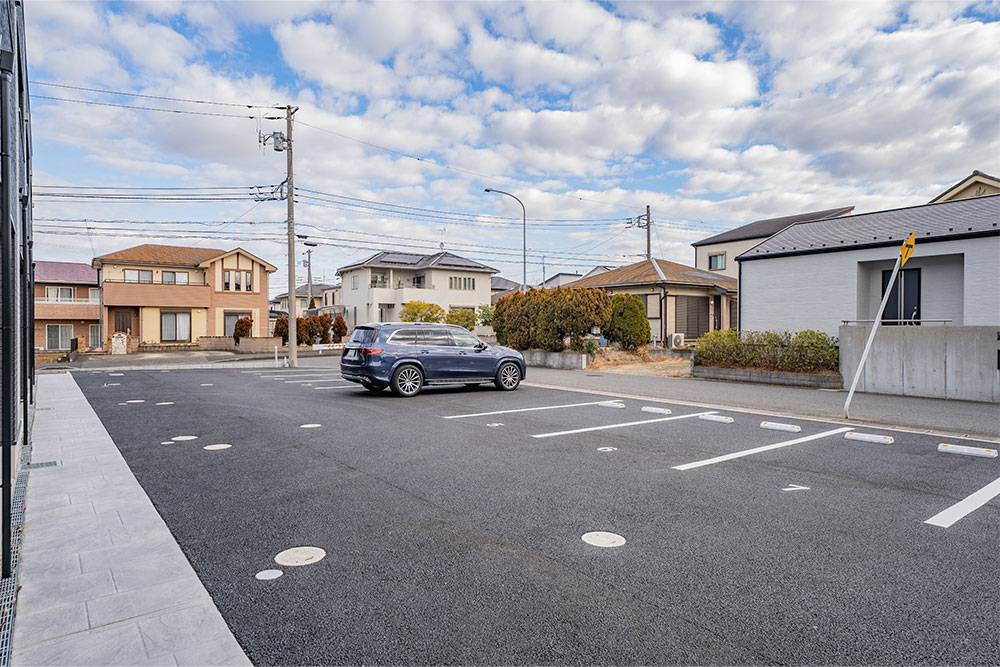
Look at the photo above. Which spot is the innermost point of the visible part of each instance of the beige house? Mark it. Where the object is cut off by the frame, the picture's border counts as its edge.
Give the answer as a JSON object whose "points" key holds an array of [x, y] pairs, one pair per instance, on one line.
{"points": [[678, 298], [321, 294], [718, 253], [375, 289], [174, 295], [975, 184]]}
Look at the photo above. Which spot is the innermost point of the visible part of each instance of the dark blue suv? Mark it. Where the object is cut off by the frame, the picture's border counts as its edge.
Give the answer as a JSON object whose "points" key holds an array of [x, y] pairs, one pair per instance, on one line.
{"points": [[408, 355]]}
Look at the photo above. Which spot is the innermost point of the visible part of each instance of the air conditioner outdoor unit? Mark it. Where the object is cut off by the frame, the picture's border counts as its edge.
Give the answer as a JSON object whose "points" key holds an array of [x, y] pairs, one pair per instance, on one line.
{"points": [[677, 340]]}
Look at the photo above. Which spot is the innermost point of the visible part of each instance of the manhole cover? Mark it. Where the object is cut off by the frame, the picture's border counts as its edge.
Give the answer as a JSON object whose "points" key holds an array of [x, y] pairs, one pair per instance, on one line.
{"points": [[603, 539], [300, 556]]}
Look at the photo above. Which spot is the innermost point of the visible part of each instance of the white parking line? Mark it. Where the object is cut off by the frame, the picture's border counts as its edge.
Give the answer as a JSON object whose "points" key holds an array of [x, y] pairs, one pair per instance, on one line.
{"points": [[755, 450], [286, 371], [966, 506], [331, 378], [604, 428], [343, 386], [304, 375], [504, 412]]}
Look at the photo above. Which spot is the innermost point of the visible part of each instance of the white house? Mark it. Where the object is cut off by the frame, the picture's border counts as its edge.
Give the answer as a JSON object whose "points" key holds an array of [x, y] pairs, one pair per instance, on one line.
{"points": [[816, 275], [375, 289]]}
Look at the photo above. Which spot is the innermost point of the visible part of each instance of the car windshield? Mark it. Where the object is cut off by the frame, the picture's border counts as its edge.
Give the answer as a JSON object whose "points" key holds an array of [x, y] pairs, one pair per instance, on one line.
{"points": [[364, 335]]}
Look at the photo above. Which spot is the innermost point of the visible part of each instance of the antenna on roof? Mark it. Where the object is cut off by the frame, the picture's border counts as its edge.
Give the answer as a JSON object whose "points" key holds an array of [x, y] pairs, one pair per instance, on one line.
{"points": [[442, 230]]}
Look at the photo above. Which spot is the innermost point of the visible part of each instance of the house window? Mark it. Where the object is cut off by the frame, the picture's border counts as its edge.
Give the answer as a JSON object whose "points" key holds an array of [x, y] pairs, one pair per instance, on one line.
{"points": [[174, 278], [175, 327], [95, 294], [231, 319], [249, 282], [58, 293], [456, 282], [717, 262], [225, 281], [418, 281], [378, 279], [237, 277], [137, 276], [354, 282], [95, 335], [58, 336], [906, 307]]}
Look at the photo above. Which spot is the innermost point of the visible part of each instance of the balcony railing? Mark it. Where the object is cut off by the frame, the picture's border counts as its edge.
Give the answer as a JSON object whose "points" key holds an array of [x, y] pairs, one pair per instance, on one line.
{"points": [[45, 299], [156, 282]]}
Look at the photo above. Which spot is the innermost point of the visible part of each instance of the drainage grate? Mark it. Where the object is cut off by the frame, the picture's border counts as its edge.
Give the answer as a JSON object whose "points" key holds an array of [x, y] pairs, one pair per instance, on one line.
{"points": [[41, 464], [9, 586]]}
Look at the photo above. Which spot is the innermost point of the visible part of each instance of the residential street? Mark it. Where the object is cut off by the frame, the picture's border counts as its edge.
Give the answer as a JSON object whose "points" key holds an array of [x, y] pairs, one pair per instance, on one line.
{"points": [[452, 531]]}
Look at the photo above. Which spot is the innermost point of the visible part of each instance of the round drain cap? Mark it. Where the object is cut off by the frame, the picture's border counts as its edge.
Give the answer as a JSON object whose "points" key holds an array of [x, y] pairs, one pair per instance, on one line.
{"points": [[300, 556], [265, 575], [603, 539]]}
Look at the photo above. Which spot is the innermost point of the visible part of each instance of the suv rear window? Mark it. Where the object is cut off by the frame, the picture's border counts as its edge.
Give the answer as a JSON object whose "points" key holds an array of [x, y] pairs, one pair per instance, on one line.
{"points": [[364, 335], [404, 337], [435, 337]]}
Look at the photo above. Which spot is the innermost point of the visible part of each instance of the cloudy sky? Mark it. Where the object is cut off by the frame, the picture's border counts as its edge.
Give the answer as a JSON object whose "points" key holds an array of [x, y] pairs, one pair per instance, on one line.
{"points": [[714, 114]]}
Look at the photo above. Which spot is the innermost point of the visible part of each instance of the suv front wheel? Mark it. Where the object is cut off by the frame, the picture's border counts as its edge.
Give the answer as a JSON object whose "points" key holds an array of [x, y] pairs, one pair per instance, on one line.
{"points": [[407, 381], [508, 376]]}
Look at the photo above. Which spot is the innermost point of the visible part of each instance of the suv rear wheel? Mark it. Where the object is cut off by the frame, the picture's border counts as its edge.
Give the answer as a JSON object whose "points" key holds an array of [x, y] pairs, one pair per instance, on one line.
{"points": [[407, 381], [508, 376]]}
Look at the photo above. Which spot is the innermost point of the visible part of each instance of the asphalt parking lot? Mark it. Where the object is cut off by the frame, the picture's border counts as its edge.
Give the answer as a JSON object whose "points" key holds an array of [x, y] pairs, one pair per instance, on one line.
{"points": [[452, 525]]}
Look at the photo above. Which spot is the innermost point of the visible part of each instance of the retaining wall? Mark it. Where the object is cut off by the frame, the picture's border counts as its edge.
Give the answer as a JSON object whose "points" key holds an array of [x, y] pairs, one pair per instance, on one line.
{"points": [[247, 345], [556, 359], [933, 361], [768, 377]]}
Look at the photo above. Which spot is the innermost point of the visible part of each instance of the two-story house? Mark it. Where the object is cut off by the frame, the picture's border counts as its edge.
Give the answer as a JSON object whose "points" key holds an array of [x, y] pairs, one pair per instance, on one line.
{"points": [[319, 298], [67, 305], [375, 289], [162, 294]]}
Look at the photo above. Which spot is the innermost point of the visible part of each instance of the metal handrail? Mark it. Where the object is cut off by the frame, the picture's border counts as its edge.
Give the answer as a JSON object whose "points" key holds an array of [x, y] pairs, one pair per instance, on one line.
{"points": [[154, 282], [45, 299], [913, 321]]}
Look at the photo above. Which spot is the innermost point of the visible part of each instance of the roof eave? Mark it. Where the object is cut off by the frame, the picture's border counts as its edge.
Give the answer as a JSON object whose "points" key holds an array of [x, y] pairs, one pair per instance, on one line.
{"points": [[861, 246]]}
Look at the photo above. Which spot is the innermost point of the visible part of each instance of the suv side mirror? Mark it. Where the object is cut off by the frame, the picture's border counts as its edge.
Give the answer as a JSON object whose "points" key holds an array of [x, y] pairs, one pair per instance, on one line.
{"points": [[481, 345]]}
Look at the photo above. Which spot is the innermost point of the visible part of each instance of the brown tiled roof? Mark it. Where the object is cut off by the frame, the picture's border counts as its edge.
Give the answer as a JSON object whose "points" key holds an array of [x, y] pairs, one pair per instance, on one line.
{"points": [[644, 273], [151, 253], [64, 272]]}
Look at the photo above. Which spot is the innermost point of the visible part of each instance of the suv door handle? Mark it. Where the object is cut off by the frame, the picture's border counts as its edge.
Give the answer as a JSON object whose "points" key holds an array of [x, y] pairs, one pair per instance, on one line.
{"points": [[424, 351], [464, 353]]}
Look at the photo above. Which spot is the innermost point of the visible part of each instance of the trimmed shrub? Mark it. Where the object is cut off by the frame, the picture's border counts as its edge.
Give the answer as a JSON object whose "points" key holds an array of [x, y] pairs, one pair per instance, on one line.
{"points": [[486, 315], [629, 326], [242, 329], [421, 311], [339, 329], [805, 351], [463, 317], [281, 329], [325, 324], [511, 321], [543, 319]]}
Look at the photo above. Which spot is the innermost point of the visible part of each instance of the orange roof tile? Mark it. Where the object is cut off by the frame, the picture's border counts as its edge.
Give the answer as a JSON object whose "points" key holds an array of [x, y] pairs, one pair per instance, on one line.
{"points": [[644, 273], [151, 253]]}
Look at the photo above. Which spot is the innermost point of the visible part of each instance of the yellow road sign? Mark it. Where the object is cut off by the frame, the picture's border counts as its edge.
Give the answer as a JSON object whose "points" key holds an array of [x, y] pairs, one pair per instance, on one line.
{"points": [[907, 248]]}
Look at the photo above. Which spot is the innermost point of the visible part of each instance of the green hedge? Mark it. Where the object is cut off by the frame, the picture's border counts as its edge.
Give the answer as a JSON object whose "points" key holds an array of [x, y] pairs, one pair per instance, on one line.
{"points": [[801, 352], [543, 319]]}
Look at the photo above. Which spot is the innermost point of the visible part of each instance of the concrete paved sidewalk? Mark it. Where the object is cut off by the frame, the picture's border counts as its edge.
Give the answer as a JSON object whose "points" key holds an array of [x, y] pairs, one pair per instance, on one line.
{"points": [[103, 582], [963, 418]]}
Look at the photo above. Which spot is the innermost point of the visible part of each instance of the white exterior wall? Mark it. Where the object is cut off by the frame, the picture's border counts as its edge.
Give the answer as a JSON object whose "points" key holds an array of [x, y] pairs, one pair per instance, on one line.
{"points": [[818, 291], [365, 300]]}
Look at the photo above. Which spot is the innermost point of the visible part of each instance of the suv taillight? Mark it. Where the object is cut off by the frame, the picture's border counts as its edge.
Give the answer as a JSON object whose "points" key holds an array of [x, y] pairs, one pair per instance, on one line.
{"points": [[371, 350]]}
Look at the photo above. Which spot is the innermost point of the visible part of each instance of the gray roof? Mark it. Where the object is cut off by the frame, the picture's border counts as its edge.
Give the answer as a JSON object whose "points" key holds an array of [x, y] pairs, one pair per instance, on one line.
{"points": [[976, 216], [761, 229], [402, 260], [303, 290], [500, 283]]}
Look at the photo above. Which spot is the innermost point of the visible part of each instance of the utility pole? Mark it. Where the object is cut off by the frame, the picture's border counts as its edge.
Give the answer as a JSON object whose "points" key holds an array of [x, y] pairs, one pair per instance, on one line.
{"points": [[309, 276], [649, 232], [293, 360], [543, 271]]}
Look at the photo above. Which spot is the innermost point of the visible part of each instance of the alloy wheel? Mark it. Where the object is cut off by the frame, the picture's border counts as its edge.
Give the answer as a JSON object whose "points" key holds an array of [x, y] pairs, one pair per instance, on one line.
{"points": [[509, 376], [408, 381]]}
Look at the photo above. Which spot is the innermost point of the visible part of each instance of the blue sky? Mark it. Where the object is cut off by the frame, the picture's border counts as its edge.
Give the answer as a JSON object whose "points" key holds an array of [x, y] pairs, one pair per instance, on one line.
{"points": [[714, 114]]}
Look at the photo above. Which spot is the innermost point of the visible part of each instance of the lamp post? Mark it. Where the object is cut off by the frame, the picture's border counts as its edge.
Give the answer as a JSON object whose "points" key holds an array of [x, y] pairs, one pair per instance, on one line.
{"points": [[524, 238]]}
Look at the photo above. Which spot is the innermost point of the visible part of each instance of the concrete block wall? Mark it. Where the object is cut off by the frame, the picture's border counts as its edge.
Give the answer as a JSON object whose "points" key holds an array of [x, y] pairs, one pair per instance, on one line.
{"points": [[933, 361], [256, 345]]}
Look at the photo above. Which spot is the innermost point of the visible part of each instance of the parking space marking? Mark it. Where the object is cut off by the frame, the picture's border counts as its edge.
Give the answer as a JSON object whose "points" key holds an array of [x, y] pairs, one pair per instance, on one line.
{"points": [[504, 412], [331, 378], [966, 506], [755, 450], [623, 425], [342, 386]]}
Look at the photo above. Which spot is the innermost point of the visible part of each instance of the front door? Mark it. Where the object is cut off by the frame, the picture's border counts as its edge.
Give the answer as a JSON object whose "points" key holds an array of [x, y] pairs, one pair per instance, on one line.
{"points": [[716, 312], [123, 321], [906, 308], [472, 361]]}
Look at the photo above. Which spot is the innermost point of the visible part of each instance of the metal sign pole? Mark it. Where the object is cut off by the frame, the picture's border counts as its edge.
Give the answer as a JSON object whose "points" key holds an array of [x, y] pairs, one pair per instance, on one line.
{"points": [[904, 254]]}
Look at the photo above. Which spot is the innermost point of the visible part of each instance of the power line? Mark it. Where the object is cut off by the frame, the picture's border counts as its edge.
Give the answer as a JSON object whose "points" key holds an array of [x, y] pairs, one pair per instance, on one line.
{"points": [[152, 97], [143, 108]]}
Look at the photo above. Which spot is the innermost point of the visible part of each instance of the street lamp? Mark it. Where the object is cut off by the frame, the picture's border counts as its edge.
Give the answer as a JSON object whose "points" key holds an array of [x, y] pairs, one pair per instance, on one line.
{"points": [[524, 238]]}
